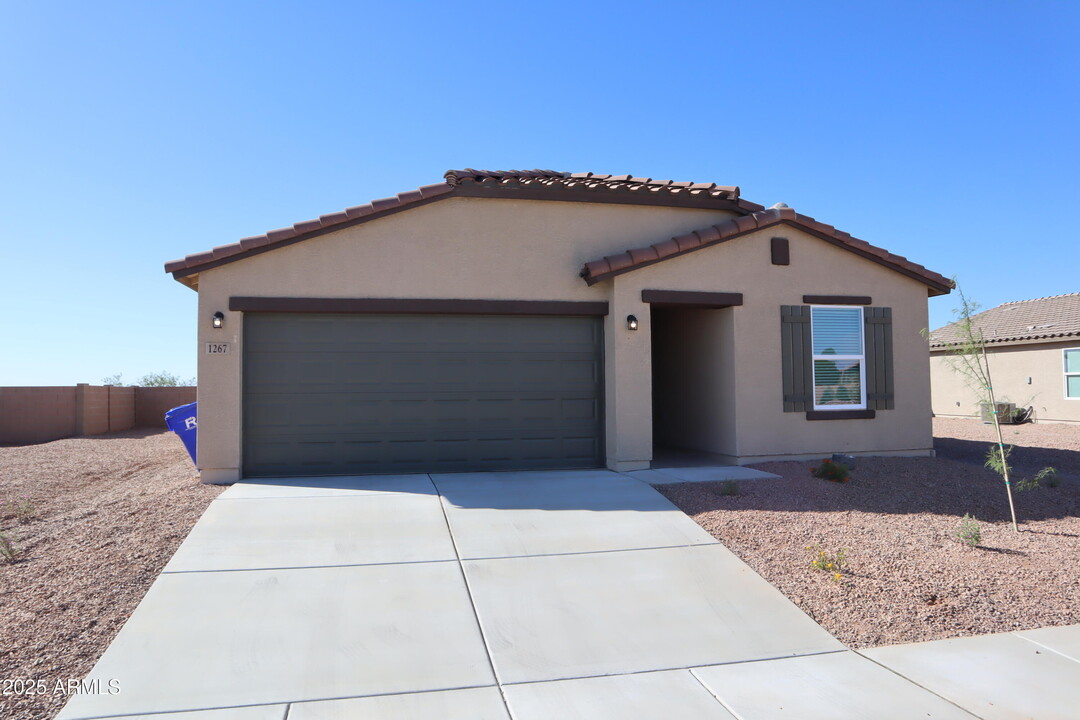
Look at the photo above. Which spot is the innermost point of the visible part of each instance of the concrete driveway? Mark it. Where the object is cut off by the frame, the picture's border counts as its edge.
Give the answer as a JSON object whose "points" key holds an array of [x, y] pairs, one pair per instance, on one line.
{"points": [[578, 594]]}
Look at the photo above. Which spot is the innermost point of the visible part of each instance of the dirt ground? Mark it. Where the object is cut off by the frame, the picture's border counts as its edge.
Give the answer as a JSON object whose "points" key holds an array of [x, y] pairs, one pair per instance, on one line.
{"points": [[106, 514], [909, 579]]}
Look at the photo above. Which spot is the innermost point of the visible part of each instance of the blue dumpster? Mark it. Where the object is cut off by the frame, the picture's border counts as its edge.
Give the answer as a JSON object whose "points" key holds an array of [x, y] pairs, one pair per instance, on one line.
{"points": [[184, 422]]}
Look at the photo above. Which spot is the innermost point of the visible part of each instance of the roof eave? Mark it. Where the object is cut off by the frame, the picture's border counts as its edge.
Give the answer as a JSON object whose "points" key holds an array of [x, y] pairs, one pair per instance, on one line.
{"points": [[935, 283], [941, 348]]}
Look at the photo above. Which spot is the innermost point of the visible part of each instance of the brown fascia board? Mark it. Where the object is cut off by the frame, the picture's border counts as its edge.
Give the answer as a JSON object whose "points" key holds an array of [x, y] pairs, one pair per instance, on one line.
{"points": [[612, 265]]}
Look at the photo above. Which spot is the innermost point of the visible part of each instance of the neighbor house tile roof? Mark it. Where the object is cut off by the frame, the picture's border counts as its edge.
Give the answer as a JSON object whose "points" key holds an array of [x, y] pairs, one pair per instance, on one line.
{"points": [[613, 265], [1048, 318], [571, 187]]}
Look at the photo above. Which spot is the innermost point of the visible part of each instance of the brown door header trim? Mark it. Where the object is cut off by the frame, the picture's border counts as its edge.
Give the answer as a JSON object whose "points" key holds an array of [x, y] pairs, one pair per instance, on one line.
{"points": [[690, 299], [416, 306], [837, 299]]}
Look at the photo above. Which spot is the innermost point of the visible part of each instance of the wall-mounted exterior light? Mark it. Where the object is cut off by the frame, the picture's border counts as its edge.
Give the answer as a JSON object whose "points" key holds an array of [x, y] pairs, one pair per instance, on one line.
{"points": [[631, 322], [219, 320]]}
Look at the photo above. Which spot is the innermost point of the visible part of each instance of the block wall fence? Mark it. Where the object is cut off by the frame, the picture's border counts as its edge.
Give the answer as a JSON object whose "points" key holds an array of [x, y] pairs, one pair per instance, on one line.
{"points": [[39, 414]]}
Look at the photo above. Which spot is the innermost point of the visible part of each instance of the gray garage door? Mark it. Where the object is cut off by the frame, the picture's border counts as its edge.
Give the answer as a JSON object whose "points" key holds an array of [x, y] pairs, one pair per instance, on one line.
{"points": [[332, 394]]}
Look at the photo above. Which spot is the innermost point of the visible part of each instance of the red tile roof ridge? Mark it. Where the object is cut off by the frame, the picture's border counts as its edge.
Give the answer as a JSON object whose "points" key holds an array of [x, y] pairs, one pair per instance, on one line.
{"points": [[590, 180], [611, 265], [1047, 297]]}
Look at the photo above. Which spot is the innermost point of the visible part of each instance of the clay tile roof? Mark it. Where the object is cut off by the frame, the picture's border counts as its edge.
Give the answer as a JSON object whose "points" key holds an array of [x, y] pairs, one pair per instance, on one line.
{"points": [[594, 272], [1057, 316]]}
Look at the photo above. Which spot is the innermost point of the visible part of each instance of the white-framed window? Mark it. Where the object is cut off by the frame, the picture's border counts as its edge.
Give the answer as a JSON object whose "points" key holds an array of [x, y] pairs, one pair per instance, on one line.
{"points": [[1071, 361], [839, 357]]}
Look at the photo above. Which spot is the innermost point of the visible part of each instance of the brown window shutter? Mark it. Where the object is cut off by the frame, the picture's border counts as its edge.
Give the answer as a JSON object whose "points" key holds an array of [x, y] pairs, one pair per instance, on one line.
{"points": [[879, 358], [795, 352]]}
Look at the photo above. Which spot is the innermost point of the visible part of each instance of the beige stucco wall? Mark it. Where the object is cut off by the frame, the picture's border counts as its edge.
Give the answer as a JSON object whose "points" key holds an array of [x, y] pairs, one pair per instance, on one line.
{"points": [[1010, 368], [762, 429], [471, 248]]}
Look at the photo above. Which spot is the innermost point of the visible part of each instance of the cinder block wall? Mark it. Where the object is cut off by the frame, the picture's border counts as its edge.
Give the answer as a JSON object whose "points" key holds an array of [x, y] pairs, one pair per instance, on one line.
{"points": [[91, 409], [151, 404], [121, 408], [36, 414], [40, 414]]}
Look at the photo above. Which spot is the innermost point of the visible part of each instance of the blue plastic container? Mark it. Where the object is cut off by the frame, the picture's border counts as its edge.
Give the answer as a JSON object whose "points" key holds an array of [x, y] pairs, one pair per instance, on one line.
{"points": [[184, 422]]}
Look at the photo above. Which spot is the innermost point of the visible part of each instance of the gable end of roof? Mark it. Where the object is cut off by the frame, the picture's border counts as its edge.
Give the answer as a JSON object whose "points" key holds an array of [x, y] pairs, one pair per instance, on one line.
{"points": [[612, 265], [514, 184]]}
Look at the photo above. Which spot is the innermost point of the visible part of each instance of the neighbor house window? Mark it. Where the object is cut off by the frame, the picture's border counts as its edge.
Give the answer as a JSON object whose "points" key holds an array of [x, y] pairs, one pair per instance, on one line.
{"points": [[1072, 373], [839, 358]]}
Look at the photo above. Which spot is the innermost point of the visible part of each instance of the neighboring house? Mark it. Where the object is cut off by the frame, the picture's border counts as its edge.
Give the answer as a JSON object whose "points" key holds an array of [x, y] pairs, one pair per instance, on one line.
{"points": [[1033, 348], [536, 319]]}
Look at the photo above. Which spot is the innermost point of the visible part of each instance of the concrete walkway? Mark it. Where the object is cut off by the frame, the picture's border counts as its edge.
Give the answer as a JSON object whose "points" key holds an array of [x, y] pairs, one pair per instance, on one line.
{"points": [[529, 596]]}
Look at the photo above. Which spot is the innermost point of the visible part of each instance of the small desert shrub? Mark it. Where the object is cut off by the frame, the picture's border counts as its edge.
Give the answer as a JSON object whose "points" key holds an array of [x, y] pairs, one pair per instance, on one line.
{"points": [[1047, 475], [9, 552], [969, 532], [729, 487], [832, 563], [833, 471], [20, 507]]}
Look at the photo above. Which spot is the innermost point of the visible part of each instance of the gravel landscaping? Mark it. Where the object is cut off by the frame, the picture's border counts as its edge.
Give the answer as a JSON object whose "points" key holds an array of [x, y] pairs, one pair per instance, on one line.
{"points": [[102, 516], [908, 577]]}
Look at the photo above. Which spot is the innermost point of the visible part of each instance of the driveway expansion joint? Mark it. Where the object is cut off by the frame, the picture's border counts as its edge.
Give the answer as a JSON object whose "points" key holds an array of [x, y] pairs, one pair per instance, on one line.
{"points": [[305, 567], [1045, 647], [472, 600], [674, 668], [916, 684]]}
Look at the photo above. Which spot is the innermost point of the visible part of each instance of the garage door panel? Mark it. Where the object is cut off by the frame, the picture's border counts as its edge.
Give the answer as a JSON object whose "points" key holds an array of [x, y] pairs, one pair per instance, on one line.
{"points": [[317, 414], [335, 394], [393, 455]]}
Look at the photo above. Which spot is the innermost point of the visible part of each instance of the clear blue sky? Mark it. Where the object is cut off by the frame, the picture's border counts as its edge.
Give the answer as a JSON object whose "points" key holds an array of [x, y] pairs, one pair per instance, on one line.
{"points": [[134, 133]]}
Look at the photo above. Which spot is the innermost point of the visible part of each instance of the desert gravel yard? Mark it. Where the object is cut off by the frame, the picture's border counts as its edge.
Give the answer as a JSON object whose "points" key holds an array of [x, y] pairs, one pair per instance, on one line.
{"points": [[908, 578], [105, 515]]}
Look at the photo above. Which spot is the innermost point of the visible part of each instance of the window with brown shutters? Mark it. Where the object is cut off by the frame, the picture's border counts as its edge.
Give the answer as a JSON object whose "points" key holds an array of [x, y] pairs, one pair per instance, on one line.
{"points": [[797, 355]]}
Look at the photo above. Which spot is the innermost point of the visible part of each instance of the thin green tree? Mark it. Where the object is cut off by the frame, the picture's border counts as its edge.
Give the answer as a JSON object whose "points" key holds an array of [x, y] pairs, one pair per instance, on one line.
{"points": [[967, 357]]}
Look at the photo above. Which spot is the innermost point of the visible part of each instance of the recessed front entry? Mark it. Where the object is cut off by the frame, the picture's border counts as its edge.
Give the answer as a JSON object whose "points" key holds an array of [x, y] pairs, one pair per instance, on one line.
{"points": [[693, 374], [332, 394]]}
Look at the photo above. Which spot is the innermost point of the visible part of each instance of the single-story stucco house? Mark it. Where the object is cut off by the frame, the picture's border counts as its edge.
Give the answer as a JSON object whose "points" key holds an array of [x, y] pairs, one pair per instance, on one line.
{"points": [[541, 320], [1033, 349]]}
